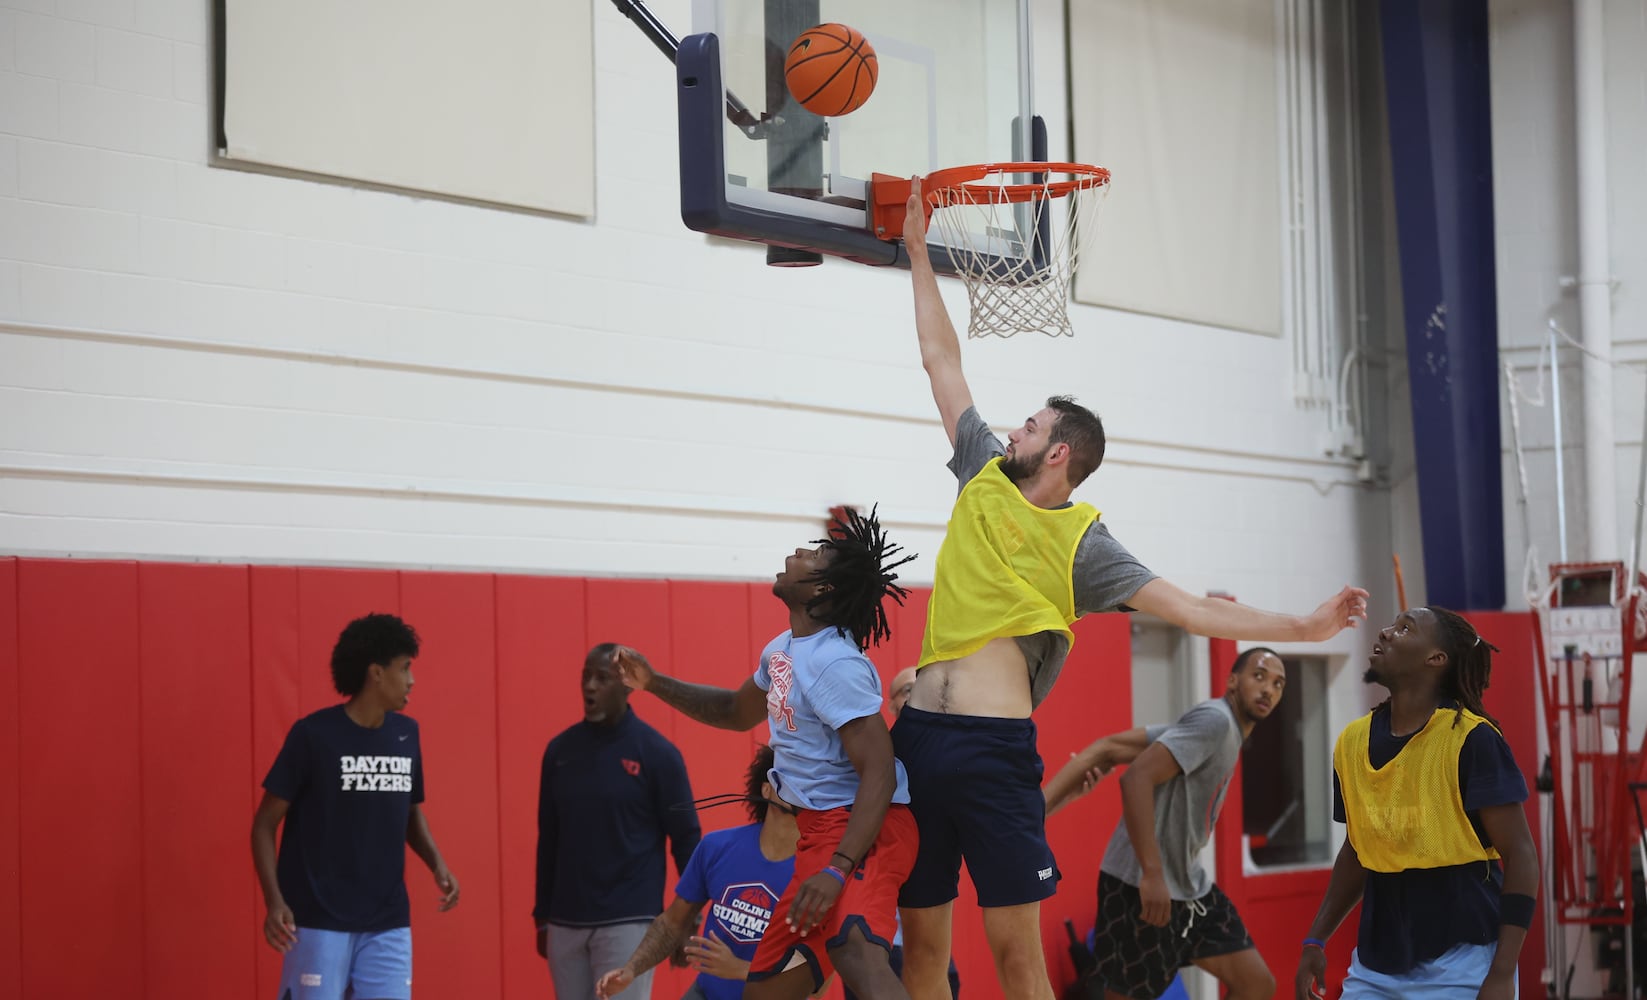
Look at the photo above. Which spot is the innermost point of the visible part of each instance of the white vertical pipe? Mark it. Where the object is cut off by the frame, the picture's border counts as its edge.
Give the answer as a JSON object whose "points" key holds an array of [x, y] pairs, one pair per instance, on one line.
{"points": [[1327, 323], [1594, 285], [1291, 257], [1560, 465], [1309, 168]]}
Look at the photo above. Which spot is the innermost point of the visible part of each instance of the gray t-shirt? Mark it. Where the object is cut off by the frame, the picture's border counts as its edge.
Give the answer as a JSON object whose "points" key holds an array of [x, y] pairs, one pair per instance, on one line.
{"points": [[1106, 574], [1206, 742]]}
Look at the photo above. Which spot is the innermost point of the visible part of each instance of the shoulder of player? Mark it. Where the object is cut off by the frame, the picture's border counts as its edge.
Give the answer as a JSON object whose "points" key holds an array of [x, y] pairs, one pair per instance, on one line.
{"points": [[1483, 738], [322, 723], [567, 738], [331, 714], [970, 420], [1098, 540], [1210, 714], [1209, 719], [840, 656]]}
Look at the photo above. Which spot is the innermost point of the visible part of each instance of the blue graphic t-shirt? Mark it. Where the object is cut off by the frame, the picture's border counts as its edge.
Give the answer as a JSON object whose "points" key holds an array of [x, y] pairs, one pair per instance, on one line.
{"points": [[342, 864], [741, 887], [815, 685]]}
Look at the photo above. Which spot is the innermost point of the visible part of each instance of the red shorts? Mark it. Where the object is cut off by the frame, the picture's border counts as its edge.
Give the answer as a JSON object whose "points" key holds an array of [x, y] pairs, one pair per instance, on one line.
{"points": [[869, 899]]}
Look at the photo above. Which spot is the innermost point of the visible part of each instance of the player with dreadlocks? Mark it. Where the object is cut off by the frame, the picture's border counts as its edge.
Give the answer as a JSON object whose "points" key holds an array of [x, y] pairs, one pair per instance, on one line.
{"points": [[1438, 852], [832, 761]]}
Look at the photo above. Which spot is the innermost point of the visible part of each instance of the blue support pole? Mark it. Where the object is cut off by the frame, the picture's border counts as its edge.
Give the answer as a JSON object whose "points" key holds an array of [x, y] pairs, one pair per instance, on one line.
{"points": [[1439, 104]]}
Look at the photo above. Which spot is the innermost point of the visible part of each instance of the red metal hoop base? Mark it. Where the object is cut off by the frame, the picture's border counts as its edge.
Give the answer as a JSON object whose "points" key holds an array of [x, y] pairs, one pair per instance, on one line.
{"points": [[961, 185]]}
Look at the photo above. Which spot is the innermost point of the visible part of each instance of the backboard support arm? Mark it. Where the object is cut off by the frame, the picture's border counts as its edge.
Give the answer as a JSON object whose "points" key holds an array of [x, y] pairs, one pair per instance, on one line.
{"points": [[664, 40]]}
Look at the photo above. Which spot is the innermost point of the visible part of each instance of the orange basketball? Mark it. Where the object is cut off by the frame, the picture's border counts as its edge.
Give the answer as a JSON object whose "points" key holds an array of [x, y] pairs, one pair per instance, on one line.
{"points": [[831, 70]]}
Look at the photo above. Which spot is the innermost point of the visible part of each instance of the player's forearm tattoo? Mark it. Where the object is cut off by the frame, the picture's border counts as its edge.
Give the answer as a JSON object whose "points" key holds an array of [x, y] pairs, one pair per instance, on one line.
{"points": [[710, 705], [661, 941]]}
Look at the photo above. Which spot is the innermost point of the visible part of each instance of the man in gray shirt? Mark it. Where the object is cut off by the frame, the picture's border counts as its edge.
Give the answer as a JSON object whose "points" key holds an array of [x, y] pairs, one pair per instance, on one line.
{"points": [[1019, 564], [1158, 909]]}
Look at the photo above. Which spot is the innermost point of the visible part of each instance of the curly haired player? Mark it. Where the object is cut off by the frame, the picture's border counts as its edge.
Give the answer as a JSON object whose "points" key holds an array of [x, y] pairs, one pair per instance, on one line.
{"points": [[833, 762]]}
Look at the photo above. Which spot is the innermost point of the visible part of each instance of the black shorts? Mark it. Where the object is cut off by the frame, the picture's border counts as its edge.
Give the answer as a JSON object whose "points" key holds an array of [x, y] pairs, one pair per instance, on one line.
{"points": [[975, 791], [1140, 960]]}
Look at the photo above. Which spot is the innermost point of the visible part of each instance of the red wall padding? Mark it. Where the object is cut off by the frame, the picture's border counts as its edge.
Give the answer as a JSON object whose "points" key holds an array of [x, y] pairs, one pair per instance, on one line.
{"points": [[541, 639], [141, 705], [194, 654], [457, 622], [80, 780], [11, 920], [1512, 699]]}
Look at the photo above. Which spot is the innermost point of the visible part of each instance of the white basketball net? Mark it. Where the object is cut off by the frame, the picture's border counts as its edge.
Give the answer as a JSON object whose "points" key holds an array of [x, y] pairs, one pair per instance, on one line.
{"points": [[1016, 257]]}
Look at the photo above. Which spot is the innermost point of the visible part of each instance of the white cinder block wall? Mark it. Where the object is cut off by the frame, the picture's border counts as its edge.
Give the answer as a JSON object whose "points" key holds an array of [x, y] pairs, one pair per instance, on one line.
{"points": [[205, 363], [1537, 246]]}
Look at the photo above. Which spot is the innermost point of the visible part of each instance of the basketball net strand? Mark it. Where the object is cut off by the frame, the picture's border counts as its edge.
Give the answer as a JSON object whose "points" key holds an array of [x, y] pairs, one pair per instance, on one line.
{"points": [[992, 243]]}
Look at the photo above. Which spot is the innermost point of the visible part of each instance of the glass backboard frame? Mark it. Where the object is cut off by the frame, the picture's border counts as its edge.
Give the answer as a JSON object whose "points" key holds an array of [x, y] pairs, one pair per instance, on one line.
{"points": [[834, 220]]}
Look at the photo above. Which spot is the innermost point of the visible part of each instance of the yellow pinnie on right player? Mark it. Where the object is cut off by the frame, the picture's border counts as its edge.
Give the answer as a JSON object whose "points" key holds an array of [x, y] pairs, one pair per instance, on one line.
{"points": [[1448, 878]]}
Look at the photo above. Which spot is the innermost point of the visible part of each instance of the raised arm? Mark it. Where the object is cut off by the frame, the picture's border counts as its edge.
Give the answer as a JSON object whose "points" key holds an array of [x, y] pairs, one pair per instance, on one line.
{"points": [[664, 937], [940, 347], [723, 708], [1225, 619], [1084, 769], [1155, 766], [868, 746]]}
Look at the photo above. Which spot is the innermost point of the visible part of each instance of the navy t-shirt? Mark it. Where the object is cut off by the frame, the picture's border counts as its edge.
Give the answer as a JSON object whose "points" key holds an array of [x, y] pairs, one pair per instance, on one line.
{"points": [[1414, 916], [342, 860], [742, 888]]}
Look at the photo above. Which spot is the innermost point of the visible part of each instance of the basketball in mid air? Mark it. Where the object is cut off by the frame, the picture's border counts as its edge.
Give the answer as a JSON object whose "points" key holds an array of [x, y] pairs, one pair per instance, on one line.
{"points": [[831, 70]]}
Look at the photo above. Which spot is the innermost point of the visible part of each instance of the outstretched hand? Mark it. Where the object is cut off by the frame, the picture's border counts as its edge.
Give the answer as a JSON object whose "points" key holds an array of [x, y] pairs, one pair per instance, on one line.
{"points": [[633, 668], [1343, 610]]}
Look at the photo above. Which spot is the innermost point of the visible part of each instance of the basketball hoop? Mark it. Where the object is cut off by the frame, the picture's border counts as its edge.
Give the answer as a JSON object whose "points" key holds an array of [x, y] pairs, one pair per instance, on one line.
{"points": [[1014, 254]]}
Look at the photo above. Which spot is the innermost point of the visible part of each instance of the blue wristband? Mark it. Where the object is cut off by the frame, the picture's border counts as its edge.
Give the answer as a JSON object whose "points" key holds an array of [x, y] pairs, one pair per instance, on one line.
{"points": [[1316, 943], [836, 874]]}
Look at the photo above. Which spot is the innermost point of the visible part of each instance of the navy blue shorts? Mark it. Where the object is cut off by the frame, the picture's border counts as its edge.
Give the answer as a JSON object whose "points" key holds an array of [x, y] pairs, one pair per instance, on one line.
{"points": [[975, 791]]}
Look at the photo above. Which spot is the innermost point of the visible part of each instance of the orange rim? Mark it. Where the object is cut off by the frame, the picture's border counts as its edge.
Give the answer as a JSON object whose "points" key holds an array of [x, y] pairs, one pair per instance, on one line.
{"points": [[944, 187]]}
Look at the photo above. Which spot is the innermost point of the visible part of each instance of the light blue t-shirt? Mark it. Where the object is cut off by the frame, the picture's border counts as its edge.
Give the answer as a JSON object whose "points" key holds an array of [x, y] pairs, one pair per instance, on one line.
{"points": [[742, 888], [815, 685]]}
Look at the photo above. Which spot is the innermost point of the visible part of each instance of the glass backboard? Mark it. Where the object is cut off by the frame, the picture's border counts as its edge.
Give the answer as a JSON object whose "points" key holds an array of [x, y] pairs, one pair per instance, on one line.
{"points": [[954, 89]]}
